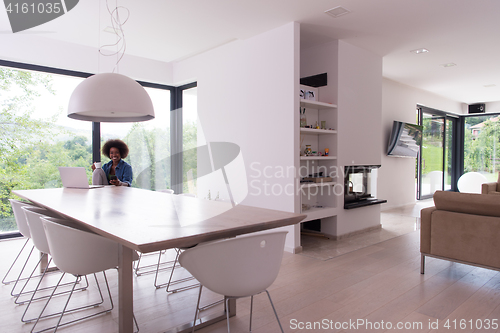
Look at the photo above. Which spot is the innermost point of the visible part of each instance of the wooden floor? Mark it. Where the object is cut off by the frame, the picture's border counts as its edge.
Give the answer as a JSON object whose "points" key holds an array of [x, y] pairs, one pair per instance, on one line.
{"points": [[365, 290]]}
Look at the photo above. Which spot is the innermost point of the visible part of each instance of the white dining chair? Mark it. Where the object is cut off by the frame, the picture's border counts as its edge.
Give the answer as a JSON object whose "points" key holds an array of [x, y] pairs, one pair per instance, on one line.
{"points": [[33, 217], [79, 252], [22, 226], [238, 267]]}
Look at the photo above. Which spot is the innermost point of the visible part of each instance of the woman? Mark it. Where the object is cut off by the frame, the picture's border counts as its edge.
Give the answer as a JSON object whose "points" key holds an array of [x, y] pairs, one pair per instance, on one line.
{"points": [[118, 172]]}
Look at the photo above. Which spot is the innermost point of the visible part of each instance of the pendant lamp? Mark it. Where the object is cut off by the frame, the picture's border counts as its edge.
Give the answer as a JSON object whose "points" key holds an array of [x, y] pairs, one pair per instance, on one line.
{"points": [[110, 97]]}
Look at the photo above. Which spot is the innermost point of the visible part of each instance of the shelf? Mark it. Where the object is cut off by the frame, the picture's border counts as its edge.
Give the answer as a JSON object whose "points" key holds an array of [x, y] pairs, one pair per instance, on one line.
{"points": [[316, 131], [319, 213], [308, 185], [317, 158], [316, 105]]}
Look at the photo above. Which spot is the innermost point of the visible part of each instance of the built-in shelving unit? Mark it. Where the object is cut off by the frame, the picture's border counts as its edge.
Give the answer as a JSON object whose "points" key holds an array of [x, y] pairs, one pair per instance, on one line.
{"points": [[319, 198]]}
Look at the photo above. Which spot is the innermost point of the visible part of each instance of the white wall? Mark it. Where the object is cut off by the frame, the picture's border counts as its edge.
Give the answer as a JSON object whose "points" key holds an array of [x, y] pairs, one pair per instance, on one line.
{"points": [[359, 119], [396, 178], [492, 107], [247, 92], [360, 103], [37, 50]]}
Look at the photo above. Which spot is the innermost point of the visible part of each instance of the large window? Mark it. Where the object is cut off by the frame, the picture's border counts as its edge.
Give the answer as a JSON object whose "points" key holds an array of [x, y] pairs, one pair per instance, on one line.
{"points": [[148, 142], [453, 145], [36, 136], [482, 145], [189, 139]]}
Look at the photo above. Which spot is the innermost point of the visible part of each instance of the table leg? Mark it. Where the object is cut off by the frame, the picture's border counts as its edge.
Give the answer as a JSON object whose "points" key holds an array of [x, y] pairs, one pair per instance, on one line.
{"points": [[232, 307], [125, 290], [44, 262], [206, 320]]}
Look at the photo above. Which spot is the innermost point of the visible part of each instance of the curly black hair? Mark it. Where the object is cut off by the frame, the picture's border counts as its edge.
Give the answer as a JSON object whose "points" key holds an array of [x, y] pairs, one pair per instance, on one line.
{"points": [[122, 147]]}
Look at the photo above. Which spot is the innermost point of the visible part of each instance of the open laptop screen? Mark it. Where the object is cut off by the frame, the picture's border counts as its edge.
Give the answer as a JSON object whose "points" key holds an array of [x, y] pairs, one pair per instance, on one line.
{"points": [[75, 177]]}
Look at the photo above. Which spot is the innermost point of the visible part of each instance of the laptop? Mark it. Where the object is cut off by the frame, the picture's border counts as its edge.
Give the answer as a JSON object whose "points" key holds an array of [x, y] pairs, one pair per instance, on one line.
{"points": [[75, 177]]}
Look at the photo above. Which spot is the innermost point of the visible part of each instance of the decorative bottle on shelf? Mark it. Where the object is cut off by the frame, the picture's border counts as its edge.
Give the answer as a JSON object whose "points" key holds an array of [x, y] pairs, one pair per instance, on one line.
{"points": [[303, 119]]}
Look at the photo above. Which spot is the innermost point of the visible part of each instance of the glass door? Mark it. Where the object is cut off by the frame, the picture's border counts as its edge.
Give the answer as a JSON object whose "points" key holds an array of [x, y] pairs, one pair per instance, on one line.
{"points": [[437, 157]]}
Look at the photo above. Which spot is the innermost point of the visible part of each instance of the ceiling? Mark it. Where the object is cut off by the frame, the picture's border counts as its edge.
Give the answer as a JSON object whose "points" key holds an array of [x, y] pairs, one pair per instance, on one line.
{"points": [[463, 32]]}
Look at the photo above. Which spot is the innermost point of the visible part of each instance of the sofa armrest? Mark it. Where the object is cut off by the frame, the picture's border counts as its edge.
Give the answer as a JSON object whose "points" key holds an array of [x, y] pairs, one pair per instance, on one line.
{"points": [[488, 187], [425, 229]]}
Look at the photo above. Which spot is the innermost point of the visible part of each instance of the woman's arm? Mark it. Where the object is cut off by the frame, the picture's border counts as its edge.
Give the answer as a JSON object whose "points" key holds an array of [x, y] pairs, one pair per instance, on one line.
{"points": [[127, 175]]}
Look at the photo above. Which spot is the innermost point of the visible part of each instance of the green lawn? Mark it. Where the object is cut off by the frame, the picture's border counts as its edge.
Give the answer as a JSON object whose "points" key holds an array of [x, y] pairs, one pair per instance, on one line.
{"points": [[433, 157]]}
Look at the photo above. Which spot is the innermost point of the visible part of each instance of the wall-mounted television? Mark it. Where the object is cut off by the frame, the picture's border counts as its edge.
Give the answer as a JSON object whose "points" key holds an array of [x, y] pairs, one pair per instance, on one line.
{"points": [[405, 140]]}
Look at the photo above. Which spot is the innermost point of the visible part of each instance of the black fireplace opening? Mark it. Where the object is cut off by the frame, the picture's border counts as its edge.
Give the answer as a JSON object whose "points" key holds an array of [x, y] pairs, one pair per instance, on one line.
{"points": [[358, 184]]}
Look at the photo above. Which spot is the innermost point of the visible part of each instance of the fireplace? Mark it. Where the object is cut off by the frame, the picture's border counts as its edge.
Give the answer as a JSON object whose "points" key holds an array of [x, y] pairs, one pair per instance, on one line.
{"points": [[360, 186]]}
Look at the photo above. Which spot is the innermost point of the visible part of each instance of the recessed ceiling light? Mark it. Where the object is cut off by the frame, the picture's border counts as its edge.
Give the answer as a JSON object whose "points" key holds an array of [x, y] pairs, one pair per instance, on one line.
{"points": [[418, 51], [490, 85], [337, 11], [450, 64]]}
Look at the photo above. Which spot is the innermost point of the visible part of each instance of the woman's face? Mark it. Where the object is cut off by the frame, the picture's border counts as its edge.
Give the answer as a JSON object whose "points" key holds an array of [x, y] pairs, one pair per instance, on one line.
{"points": [[114, 154]]}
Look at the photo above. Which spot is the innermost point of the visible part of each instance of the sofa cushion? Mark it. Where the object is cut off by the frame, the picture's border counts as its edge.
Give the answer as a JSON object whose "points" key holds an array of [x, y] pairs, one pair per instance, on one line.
{"points": [[462, 237], [468, 203]]}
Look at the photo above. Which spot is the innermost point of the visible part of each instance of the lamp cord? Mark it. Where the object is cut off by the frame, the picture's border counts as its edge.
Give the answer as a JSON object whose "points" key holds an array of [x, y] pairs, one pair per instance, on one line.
{"points": [[117, 25]]}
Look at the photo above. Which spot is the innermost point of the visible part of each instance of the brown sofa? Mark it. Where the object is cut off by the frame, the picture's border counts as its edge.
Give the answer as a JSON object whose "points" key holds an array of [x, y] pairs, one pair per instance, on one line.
{"points": [[491, 188], [462, 227]]}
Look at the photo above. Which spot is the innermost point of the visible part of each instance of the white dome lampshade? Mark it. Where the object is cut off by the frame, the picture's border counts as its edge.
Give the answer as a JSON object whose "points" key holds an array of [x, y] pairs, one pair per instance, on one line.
{"points": [[110, 97]]}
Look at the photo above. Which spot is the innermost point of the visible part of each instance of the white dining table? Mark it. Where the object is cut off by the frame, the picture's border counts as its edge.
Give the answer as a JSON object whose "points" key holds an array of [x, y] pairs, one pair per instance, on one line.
{"points": [[149, 221]]}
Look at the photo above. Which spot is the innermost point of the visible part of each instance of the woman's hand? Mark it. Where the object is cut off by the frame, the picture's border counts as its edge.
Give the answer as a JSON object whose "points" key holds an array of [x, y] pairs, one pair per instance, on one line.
{"points": [[93, 167], [115, 182]]}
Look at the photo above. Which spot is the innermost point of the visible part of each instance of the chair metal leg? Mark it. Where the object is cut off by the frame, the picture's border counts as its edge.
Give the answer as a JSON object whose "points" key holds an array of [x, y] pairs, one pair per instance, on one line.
{"points": [[251, 311], [65, 311], [275, 313], [21, 273], [21, 292], [158, 286], [14, 262], [137, 264], [203, 308], [33, 298], [138, 270], [227, 315], [46, 303], [27, 280], [197, 309], [170, 282], [422, 263], [37, 288]]}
